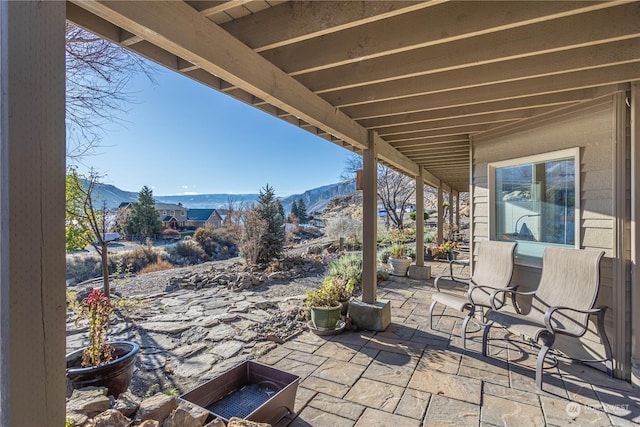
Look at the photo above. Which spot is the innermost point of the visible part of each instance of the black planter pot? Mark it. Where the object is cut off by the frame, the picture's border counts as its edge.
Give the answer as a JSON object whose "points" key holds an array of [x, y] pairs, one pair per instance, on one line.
{"points": [[115, 375]]}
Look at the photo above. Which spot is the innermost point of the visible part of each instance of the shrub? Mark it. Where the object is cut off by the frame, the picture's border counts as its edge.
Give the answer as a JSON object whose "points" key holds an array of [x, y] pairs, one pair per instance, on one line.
{"points": [[413, 215], [187, 253], [347, 267], [83, 267], [384, 254], [134, 260], [383, 275], [207, 239], [344, 228], [254, 230], [429, 236], [159, 265]]}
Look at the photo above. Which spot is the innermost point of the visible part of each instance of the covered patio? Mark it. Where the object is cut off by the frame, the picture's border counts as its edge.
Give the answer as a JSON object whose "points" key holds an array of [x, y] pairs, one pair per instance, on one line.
{"points": [[445, 92], [410, 375]]}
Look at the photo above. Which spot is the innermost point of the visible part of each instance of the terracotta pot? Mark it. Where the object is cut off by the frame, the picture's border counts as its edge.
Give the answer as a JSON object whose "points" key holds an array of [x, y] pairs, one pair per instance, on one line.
{"points": [[400, 266], [115, 375], [326, 317]]}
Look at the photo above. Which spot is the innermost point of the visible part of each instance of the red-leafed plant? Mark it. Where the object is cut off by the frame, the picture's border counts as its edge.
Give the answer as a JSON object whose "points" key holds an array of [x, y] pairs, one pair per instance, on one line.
{"points": [[97, 309]]}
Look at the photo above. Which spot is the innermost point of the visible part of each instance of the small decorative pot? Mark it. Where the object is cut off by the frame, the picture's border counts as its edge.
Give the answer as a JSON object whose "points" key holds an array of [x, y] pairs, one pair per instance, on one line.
{"points": [[326, 317], [115, 375], [451, 256], [345, 305], [400, 266]]}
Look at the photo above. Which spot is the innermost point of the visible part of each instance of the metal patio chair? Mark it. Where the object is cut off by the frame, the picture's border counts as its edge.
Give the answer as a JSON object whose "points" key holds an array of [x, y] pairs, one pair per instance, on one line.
{"points": [[492, 272], [561, 304]]}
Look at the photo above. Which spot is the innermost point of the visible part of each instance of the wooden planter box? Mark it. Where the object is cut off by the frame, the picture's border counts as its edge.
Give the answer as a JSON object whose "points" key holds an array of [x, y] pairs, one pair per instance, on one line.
{"points": [[250, 390]]}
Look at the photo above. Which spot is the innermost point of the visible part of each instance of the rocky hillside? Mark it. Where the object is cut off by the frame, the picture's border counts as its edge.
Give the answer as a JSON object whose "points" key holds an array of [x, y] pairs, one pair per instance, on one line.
{"points": [[315, 199]]}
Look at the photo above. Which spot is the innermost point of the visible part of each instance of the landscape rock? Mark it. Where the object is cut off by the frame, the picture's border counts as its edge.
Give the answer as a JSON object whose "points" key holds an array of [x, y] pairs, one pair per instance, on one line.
{"points": [[127, 404], [217, 422], [89, 401], [149, 423], [157, 407], [238, 422], [78, 419], [197, 412], [110, 418], [181, 418]]}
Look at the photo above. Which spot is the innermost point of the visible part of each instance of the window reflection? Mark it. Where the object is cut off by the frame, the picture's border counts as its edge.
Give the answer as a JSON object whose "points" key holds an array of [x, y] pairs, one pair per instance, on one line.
{"points": [[535, 205]]}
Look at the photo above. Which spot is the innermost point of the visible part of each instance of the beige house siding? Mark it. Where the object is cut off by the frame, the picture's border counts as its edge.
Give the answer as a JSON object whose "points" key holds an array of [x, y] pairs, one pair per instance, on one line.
{"points": [[594, 128]]}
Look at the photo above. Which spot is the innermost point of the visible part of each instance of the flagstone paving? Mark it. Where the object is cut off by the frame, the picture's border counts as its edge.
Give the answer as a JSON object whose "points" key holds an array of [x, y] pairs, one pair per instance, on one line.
{"points": [[410, 375]]}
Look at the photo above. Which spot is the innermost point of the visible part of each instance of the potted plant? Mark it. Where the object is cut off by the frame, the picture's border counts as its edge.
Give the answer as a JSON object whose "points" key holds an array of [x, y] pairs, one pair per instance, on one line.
{"points": [[324, 305], [344, 289], [398, 259], [449, 249], [101, 363]]}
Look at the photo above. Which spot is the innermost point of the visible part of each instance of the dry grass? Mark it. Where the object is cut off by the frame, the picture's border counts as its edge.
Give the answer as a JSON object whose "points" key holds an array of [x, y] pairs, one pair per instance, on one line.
{"points": [[160, 265]]}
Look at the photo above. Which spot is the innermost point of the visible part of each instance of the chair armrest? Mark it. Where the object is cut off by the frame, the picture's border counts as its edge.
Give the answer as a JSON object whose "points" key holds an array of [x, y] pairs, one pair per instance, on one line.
{"points": [[496, 291], [548, 315], [491, 290], [452, 278]]}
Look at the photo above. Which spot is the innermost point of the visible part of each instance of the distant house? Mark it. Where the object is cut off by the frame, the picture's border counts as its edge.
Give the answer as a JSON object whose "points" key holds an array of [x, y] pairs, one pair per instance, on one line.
{"points": [[200, 217], [172, 215]]}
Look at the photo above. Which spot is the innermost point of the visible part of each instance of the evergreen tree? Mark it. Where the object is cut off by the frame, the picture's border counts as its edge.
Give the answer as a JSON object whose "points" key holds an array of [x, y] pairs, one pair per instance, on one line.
{"points": [[302, 211], [273, 240], [143, 220], [281, 211], [294, 210]]}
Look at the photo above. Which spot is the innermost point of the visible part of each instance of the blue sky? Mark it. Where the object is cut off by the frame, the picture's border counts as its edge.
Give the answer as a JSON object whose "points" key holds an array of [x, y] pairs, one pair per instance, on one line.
{"points": [[181, 137]]}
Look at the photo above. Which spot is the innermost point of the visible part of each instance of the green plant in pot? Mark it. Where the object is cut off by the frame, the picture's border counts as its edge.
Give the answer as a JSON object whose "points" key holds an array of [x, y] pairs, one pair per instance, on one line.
{"points": [[345, 289], [398, 259], [324, 305], [101, 363]]}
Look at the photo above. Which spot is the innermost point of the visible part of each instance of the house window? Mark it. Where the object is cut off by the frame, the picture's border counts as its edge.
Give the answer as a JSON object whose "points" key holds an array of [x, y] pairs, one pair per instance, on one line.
{"points": [[535, 201]]}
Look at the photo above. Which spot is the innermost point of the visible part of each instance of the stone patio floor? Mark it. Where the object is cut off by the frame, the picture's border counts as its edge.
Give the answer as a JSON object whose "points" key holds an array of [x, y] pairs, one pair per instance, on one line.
{"points": [[410, 375]]}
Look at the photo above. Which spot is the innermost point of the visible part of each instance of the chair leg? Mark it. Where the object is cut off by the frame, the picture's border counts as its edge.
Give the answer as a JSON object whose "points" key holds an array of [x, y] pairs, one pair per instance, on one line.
{"points": [[485, 337], [547, 342], [465, 322], [433, 304]]}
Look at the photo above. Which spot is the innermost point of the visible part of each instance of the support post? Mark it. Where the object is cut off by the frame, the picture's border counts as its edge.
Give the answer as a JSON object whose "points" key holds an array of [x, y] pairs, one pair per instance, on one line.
{"points": [[420, 218], [440, 214], [369, 222], [32, 195], [458, 209], [450, 210], [635, 234]]}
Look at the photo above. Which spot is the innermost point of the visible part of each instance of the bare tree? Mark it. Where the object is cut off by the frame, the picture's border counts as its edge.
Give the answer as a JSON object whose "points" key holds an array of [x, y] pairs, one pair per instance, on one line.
{"points": [[394, 189], [97, 75], [85, 216]]}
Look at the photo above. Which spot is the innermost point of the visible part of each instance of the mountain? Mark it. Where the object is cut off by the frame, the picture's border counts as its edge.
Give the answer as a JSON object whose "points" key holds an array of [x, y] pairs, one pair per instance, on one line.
{"points": [[316, 199], [208, 201]]}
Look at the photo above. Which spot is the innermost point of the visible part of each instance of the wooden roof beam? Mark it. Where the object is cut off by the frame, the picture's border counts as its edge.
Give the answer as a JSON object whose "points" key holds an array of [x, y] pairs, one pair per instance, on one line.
{"points": [[537, 101], [556, 63], [181, 30], [296, 21], [604, 76], [443, 23]]}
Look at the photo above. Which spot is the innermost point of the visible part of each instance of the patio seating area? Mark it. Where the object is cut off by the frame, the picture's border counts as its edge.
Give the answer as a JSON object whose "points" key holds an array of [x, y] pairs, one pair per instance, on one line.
{"points": [[410, 375]]}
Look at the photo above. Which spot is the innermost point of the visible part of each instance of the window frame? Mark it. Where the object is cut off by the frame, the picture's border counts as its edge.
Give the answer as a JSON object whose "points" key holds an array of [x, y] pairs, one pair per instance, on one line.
{"points": [[568, 153]]}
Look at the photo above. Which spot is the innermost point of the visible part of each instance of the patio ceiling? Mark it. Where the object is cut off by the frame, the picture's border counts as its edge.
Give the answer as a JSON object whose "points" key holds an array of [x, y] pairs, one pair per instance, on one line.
{"points": [[418, 79]]}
